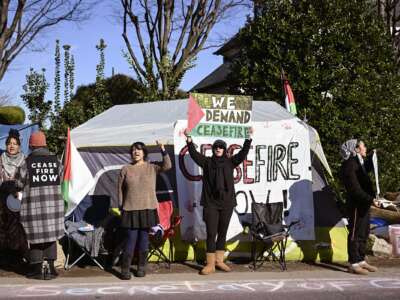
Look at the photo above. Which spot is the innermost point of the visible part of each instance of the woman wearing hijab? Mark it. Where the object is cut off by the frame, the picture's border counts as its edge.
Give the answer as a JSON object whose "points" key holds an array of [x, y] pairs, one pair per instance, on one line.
{"points": [[12, 236], [217, 197], [360, 196], [137, 198]]}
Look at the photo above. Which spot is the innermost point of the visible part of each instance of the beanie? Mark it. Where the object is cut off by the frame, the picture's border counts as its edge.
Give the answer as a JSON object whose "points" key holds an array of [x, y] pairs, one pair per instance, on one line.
{"points": [[37, 139]]}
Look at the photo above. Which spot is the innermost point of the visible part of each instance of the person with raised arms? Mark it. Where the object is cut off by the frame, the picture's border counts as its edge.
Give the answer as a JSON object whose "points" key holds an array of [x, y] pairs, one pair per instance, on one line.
{"points": [[217, 197]]}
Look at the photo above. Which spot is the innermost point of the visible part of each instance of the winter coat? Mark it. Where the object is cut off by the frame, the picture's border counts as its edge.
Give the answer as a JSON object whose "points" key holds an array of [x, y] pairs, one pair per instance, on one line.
{"points": [[42, 207], [210, 196], [359, 187], [12, 235]]}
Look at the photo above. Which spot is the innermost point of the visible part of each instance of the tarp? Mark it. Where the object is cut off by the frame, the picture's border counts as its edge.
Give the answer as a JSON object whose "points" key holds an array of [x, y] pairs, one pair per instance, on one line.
{"points": [[25, 132]]}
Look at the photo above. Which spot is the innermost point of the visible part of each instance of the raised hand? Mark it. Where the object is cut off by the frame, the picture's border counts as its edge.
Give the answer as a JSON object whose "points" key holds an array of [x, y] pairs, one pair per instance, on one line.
{"points": [[251, 131], [161, 145], [187, 135]]}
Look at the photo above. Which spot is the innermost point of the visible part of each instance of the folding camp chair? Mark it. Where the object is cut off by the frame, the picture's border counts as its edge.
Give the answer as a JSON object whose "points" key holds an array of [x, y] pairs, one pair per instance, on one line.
{"points": [[267, 227], [72, 247], [92, 210], [169, 224]]}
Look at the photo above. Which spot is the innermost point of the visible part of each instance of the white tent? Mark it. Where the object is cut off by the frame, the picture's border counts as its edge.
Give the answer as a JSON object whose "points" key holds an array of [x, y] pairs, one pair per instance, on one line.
{"points": [[147, 122], [103, 140]]}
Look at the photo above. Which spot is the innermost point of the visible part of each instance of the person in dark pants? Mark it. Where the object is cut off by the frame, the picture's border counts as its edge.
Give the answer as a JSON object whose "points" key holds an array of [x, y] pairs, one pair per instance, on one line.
{"points": [[138, 201], [12, 235], [360, 197], [42, 206], [218, 197]]}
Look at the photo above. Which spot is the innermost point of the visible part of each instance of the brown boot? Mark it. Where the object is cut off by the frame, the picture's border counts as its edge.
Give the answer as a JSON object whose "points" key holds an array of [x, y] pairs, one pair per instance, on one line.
{"points": [[368, 267], [210, 266], [356, 269], [219, 261]]}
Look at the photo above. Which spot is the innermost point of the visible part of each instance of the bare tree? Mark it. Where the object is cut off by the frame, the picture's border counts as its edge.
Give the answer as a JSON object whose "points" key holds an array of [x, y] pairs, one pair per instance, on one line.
{"points": [[169, 35], [5, 98], [389, 10], [22, 20]]}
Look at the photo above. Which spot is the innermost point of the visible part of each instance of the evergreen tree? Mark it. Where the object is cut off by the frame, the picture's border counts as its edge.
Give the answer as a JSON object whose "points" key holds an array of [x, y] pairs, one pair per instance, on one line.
{"points": [[71, 76], [339, 60], [57, 79], [35, 90], [66, 73], [101, 99]]}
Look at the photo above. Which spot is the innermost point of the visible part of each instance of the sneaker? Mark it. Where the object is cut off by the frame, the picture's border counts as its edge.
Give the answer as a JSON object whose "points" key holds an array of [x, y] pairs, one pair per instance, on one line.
{"points": [[356, 269], [368, 267]]}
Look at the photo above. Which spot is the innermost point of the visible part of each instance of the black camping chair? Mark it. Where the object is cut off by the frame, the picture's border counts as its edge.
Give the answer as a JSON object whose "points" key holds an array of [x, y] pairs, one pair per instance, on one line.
{"points": [[73, 245], [267, 227], [95, 211]]}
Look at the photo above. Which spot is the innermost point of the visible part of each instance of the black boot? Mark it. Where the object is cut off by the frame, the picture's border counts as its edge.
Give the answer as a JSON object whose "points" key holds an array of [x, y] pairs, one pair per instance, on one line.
{"points": [[51, 272], [36, 272], [142, 264], [125, 266], [115, 257]]}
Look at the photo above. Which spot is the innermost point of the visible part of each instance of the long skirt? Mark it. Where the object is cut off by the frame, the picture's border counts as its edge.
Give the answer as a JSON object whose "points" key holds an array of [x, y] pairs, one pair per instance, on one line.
{"points": [[12, 234]]}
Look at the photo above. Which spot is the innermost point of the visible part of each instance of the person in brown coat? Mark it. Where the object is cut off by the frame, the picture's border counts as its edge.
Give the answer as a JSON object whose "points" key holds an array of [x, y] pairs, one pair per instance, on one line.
{"points": [[137, 199]]}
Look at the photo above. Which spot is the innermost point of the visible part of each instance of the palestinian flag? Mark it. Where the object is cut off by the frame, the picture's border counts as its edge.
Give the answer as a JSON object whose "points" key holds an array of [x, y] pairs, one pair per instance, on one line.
{"points": [[77, 179], [195, 113], [289, 97]]}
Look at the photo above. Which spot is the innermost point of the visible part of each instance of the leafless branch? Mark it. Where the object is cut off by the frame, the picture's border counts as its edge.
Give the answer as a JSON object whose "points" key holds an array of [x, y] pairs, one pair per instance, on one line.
{"points": [[21, 21], [169, 35], [5, 98], [389, 10]]}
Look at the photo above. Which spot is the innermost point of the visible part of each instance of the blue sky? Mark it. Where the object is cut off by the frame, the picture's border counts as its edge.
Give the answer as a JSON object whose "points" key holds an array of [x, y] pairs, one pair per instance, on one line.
{"points": [[83, 39]]}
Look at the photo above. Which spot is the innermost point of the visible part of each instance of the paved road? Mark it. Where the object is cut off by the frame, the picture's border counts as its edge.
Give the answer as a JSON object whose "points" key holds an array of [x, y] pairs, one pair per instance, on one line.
{"points": [[298, 285]]}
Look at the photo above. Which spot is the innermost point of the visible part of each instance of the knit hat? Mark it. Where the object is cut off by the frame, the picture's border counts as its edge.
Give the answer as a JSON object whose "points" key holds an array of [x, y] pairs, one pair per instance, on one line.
{"points": [[219, 144], [37, 139]]}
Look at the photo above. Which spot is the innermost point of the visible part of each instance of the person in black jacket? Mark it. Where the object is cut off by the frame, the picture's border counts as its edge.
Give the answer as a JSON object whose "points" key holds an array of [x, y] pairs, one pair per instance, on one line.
{"points": [[360, 197], [218, 197]]}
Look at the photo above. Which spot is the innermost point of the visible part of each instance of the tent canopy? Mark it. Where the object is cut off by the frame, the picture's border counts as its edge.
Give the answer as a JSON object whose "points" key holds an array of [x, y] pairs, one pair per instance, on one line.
{"points": [[121, 125]]}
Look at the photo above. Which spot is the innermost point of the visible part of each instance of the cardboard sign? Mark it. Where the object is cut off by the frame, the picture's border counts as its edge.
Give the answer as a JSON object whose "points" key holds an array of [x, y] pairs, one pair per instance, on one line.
{"points": [[43, 171], [224, 116]]}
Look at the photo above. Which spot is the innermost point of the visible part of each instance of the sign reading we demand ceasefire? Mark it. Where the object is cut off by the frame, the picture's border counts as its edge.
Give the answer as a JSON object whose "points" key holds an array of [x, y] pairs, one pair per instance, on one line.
{"points": [[225, 116]]}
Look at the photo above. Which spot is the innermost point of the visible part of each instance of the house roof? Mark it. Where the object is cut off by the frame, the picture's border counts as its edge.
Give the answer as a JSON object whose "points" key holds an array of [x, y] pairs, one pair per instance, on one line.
{"points": [[232, 43], [215, 77]]}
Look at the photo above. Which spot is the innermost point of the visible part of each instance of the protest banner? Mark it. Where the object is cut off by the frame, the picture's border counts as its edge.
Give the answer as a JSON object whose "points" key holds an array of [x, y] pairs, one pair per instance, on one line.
{"points": [[277, 168]]}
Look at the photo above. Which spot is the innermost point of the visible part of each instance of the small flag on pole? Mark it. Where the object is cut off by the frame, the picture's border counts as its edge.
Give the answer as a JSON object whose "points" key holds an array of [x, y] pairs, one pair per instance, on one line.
{"points": [[289, 97]]}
